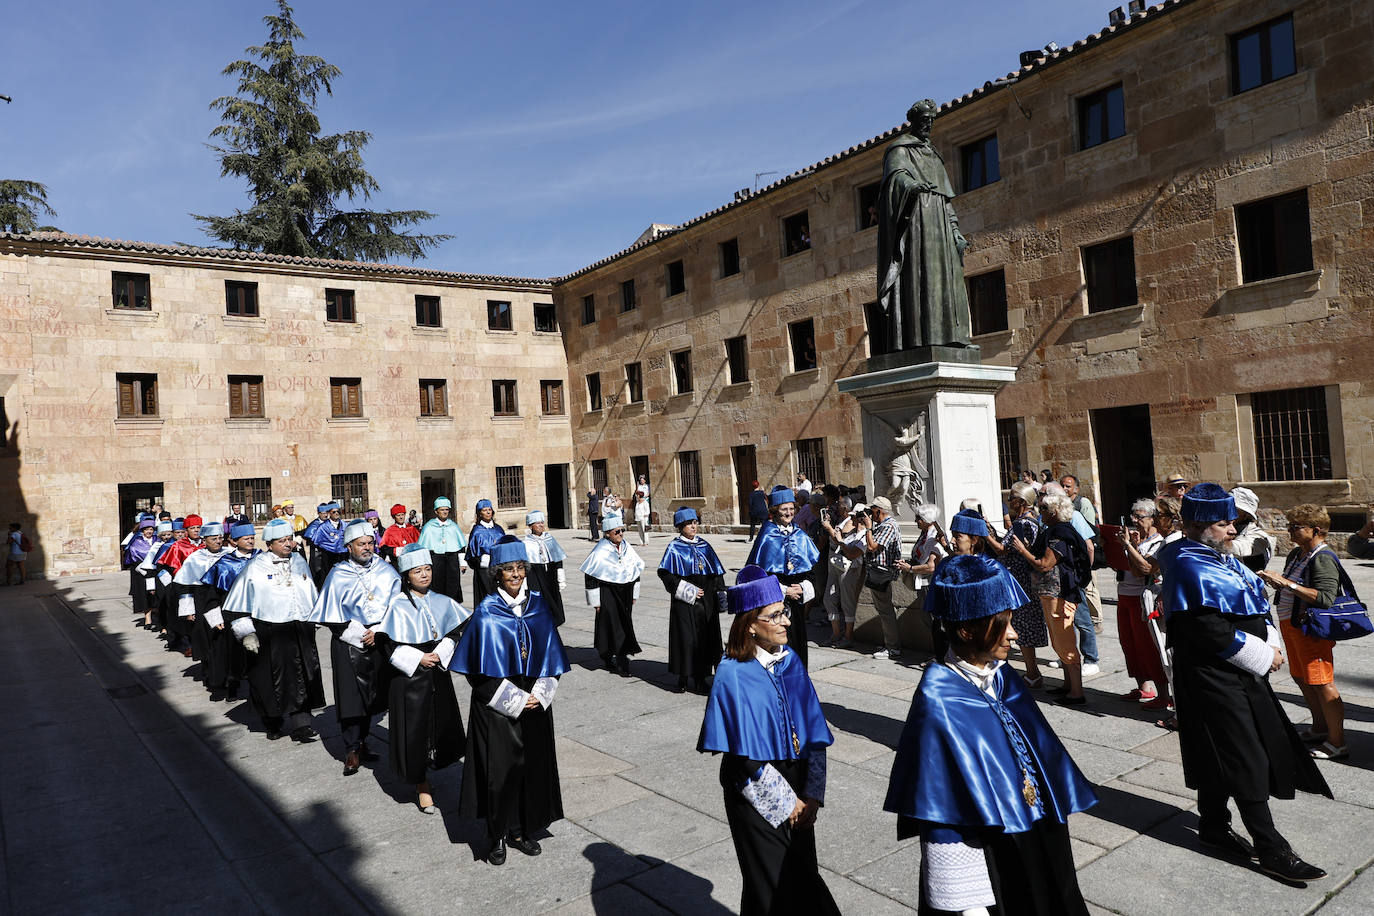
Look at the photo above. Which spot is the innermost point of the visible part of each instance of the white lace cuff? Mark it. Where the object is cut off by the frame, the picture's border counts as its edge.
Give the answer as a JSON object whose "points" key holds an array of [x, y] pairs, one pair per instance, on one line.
{"points": [[186, 606], [406, 659], [770, 795], [353, 634], [955, 876], [636, 594], [808, 590], [594, 597], [544, 689], [214, 617], [1250, 654], [445, 651], [562, 580], [243, 627]]}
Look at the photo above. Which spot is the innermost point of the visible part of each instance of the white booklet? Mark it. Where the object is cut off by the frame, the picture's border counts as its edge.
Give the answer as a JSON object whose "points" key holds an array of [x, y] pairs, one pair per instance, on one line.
{"points": [[509, 700]]}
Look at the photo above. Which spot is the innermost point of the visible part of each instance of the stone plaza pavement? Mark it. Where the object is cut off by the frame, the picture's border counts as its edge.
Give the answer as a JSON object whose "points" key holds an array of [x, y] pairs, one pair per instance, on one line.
{"points": [[124, 789]]}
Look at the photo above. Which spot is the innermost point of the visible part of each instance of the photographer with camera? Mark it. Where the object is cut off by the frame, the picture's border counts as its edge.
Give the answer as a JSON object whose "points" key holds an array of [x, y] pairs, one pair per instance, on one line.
{"points": [[882, 543]]}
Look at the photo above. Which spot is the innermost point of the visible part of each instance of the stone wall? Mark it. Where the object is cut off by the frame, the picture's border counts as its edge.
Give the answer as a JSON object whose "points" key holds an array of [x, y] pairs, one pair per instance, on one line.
{"points": [[63, 343]]}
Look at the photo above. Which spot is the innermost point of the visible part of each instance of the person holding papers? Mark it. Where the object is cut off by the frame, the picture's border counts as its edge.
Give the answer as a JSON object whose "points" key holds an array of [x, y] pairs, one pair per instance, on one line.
{"points": [[512, 657]]}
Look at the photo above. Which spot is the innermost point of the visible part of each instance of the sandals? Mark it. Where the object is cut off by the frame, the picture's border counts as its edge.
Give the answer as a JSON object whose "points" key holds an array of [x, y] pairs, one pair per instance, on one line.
{"points": [[1169, 724], [1329, 751], [1138, 696], [1156, 702], [1034, 683], [1310, 735]]}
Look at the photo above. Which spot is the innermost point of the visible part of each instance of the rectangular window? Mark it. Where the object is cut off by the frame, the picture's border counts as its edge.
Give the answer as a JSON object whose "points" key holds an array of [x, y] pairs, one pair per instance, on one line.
{"points": [[345, 397], [1263, 54], [987, 302], [433, 397], [979, 162], [796, 233], [634, 382], [137, 394], [811, 459], [245, 396], [240, 298], [1275, 237], [677, 278], [498, 316], [594, 391], [427, 314], [729, 257], [503, 398], [551, 397], [350, 492], [545, 317], [866, 207], [689, 475], [1292, 439], [682, 371], [338, 305], [879, 334], [255, 495], [510, 487], [1009, 458], [131, 291], [599, 476], [628, 302], [803, 337], [1101, 117], [588, 309], [1109, 275], [737, 355]]}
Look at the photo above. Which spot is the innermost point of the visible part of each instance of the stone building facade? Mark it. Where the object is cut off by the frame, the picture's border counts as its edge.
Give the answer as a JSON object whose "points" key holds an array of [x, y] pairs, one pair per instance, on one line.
{"points": [[117, 362], [1171, 240]]}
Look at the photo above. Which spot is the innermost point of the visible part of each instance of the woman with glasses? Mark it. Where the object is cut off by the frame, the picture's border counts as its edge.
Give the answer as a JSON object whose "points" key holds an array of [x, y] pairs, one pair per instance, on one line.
{"points": [[764, 717], [1028, 620], [1311, 578], [1136, 611], [611, 573]]}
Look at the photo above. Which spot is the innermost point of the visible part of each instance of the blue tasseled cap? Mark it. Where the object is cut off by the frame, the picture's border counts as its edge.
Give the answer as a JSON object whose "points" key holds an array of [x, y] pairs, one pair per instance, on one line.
{"points": [[970, 587], [781, 495], [242, 530], [968, 521], [1207, 502], [178, 524], [210, 529], [413, 555], [752, 590], [358, 528], [483, 504], [277, 528], [510, 549], [684, 515], [443, 502]]}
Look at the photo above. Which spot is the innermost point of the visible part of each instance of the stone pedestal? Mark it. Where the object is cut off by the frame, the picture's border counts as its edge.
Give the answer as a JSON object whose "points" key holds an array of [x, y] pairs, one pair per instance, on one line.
{"points": [[930, 435]]}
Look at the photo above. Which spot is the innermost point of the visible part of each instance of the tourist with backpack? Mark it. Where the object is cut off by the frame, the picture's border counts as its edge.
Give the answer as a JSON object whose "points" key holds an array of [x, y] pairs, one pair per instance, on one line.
{"points": [[19, 549]]}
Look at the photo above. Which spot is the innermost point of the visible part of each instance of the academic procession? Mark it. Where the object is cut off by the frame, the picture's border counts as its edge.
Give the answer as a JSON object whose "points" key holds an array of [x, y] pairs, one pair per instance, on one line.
{"points": [[979, 777]]}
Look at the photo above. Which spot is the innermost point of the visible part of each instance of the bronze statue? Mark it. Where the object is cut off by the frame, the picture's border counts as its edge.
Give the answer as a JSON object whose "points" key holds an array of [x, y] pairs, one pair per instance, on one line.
{"points": [[920, 249]]}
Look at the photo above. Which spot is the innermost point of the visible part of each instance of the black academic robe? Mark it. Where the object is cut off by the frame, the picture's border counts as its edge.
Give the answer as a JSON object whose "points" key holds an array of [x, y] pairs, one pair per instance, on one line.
{"points": [[544, 580], [360, 676], [778, 864], [138, 591], [224, 660], [694, 644], [447, 569], [180, 627], [510, 771], [426, 727], [1234, 736], [614, 628], [322, 561], [284, 675]]}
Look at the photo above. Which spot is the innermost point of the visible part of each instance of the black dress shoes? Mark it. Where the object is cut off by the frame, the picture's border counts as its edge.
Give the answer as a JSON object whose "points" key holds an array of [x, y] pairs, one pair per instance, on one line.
{"points": [[622, 664], [497, 854], [304, 734], [1288, 868], [681, 685], [1227, 841], [528, 847], [274, 734], [351, 763], [368, 754]]}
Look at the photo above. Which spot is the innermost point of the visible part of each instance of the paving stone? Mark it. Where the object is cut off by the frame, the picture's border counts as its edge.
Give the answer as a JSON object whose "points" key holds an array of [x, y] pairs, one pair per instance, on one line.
{"points": [[657, 827]]}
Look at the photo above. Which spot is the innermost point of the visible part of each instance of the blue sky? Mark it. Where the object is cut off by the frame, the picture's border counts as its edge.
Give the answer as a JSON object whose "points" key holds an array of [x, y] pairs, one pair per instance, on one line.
{"points": [[544, 135]]}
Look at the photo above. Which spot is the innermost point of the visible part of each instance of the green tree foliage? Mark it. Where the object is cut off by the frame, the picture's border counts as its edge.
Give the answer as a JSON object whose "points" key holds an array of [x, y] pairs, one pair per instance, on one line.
{"points": [[21, 203], [271, 138]]}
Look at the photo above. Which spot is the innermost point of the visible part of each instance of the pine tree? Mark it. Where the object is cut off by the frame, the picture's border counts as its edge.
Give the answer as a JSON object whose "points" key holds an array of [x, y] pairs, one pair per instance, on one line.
{"points": [[21, 202], [271, 138]]}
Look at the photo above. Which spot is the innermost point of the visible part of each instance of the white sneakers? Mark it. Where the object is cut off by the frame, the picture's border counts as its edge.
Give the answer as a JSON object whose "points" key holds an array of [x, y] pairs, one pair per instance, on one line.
{"points": [[885, 654], [1090, 670]]}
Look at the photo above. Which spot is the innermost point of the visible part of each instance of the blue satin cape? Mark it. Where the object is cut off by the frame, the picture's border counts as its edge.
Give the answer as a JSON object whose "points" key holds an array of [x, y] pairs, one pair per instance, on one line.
{"points": [[429, 617], [550, 546], [227, 569], [691, 558], [744, 715], [1199, 577], [783, 555], [353, 592], [491, 643], [326, 536], [955, 764], [440, 537], [480, 539]]}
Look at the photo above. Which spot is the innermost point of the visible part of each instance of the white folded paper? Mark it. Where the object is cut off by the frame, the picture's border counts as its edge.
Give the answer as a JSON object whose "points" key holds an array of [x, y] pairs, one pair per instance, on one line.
{"points": [[509, 700]]}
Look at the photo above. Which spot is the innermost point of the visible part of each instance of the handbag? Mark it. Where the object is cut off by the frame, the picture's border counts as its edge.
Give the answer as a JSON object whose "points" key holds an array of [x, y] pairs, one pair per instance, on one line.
{"points": [[877, 577], [1346, 618]]}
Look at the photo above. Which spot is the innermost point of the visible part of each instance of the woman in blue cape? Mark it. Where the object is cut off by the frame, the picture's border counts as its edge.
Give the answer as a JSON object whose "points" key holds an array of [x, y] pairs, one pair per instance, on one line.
{"points": [[764, 716], [485, 532], [695, 580], [512, 657], [418, 635], [979, 775], [784, 550]]}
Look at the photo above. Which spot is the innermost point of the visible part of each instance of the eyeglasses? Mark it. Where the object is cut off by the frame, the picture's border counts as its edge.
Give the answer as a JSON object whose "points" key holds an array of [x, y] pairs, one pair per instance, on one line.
{"points": [[1140, 518], [774, 617], [1299, 527]]}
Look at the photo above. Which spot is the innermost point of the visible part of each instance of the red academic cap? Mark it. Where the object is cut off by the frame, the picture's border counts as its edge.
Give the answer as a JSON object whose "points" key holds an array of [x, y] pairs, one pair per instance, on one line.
{"points": [[398, 509], [193, 521]]}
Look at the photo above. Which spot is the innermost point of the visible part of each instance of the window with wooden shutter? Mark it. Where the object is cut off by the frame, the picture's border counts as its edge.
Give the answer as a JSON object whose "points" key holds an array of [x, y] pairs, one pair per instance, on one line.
{"points": [[433, 403], [338, 305], [137, 394], [240, 299], [345, 397], [551, 397], [131, 291], [245, 396]]}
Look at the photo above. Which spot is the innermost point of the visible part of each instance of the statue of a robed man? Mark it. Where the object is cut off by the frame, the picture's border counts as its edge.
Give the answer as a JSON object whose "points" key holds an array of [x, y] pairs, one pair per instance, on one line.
{"points": [[920, 249]]}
